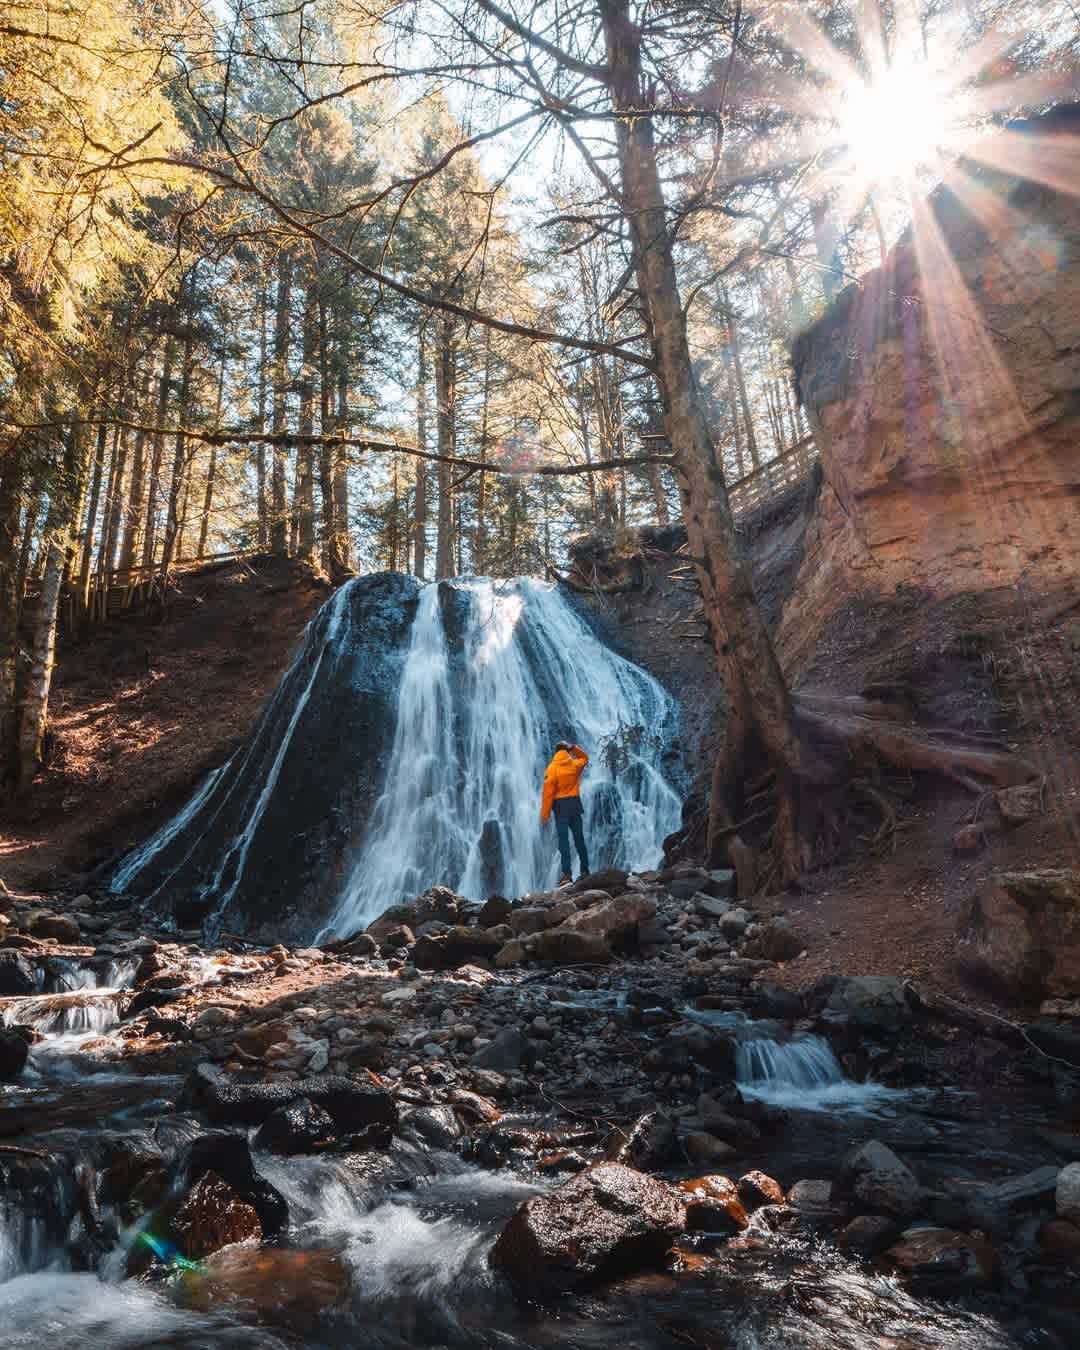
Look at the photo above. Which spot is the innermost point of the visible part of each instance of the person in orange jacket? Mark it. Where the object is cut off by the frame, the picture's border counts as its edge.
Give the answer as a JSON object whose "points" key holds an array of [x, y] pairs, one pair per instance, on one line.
{"points": [[562, 794]]}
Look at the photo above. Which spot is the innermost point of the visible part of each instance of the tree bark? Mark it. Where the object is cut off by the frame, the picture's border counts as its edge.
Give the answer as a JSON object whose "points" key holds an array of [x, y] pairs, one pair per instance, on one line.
{"points": [[445, 396], [87, 557], [279, 520], [11, 491], [305, 451], [740, 384], [134, 511], [326, 426], [262, 514], [745, 655], [57, 540], [114, 505], [342, 550], [420, 506], [149, 539], [179, 466], [211, 468]]}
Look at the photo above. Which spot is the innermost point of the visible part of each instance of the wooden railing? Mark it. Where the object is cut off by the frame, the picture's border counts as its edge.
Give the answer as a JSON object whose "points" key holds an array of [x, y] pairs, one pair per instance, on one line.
{"points": [[771, 479]]}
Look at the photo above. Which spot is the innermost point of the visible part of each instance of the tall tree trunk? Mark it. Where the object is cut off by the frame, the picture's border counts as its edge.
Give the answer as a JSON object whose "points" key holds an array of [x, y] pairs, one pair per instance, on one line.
{"points": [[420, 506], [133, 513], [91, 516], [827, 244], [29, 530], [164, 384], [445, 396], [279, 521], [262, 513], [583, 420], [176, 486], [58, 531], [326, 426], [12, 487], [480, 536], [305, 451], [115, 504], [211, 468], [758, 694], [740, 383], [342, 550]]}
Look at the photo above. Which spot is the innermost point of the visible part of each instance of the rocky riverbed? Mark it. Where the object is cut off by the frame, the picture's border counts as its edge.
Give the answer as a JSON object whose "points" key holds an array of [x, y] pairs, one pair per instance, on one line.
{"points": [[566, 1119]]}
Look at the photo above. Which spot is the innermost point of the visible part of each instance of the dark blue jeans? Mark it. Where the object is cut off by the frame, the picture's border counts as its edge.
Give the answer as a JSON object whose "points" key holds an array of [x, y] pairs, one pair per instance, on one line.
{"points": [[569, 818]]}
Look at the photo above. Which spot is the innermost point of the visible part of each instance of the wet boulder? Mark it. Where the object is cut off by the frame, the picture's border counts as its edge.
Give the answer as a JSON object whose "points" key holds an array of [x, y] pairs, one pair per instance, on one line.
{"points": [[228, 1156], [354, 1103], [648, 1143], [873, 1175], [16, 974], [776, 941], [713, 1205], [994, 1208], [505, 1053], [606, 1222], [1021, 933], [756, 1189], [394, 920], [615, 919], [527, 920], [943, 1260], [439, 904], [211, 1216], [294, 1289], [706, 1150], [457, 947], [869, 1234], [13, 1055], [563, 947], [299, 1127], [494, 911], [1067, 1193], [874, 1003], [610, 879], [45, 924]]}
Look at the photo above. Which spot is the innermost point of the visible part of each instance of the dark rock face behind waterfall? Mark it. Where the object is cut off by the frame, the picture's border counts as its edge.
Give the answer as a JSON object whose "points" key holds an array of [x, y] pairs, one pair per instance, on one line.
{"points": [[272, 829]]}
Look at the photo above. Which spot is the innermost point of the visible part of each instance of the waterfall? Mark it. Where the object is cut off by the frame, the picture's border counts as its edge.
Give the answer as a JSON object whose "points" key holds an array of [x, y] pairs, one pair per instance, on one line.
{"points": [[404, 747], [477, 719]]}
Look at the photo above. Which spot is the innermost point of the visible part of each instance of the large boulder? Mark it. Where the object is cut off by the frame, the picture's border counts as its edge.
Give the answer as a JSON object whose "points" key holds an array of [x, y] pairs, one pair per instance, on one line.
{"points": [[211, 1216], [299, 1127], [713, 1205], [448, 951], [610, 879], [353, 1103], [875, 1003], [564, 947], [1067, 1193], [44, 923], [614, 919], [608, 1221], [13, 1054], [874, 1176], [943, 1260], [1021, 933], [16, 974]]}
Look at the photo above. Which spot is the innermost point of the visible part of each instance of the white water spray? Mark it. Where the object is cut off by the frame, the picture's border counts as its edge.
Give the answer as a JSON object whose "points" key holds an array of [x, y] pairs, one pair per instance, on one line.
{"points": [[802, 1074], [474, 732]]}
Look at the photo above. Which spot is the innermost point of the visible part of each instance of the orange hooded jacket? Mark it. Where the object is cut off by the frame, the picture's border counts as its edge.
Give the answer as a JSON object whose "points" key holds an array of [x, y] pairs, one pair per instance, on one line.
{"points": [[563, 777]]}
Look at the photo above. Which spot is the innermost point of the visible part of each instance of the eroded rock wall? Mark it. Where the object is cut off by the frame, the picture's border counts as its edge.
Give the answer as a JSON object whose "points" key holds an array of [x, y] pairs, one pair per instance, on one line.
{"points": [[944, 393]]}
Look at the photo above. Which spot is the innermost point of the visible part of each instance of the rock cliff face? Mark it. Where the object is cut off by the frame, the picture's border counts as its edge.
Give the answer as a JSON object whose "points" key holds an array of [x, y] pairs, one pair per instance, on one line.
{"points": [[944, 394]]}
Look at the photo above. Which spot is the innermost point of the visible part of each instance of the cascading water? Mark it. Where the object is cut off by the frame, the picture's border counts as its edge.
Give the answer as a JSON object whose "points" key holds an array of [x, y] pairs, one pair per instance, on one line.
{"points": [[475, 728], [405, 747], [802, 1074]]}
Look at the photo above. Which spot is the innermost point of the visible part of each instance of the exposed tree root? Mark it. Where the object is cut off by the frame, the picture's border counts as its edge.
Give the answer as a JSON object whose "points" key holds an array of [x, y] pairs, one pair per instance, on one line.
{"points": [[771, 829]]}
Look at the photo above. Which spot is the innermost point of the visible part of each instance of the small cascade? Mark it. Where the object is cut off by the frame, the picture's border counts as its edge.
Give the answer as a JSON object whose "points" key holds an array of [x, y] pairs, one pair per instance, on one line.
{"points": [[801, 1074], [79, 1012]]}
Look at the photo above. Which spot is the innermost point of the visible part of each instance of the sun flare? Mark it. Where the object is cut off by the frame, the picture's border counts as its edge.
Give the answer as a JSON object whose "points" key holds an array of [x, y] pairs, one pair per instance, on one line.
{"points": [[899, 123]]}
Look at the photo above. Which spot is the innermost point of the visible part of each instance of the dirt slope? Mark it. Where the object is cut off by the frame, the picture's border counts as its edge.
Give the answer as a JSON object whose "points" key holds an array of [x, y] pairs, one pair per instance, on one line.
{"points": [[147, 704]]}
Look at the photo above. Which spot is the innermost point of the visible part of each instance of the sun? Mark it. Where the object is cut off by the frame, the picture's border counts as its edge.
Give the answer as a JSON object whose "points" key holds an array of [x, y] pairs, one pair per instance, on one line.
{"points": [[899, 124]]}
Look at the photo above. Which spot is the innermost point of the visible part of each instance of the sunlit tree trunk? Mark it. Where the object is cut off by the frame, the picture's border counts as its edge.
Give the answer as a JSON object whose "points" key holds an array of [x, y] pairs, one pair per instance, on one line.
{"points": [[480, 537], [279, 522], [305, 450], [211, 468], [758, 695], [87, 552], [133, 510], [57, 537], [11, 492], [342, 550], [420, 507], [740, 383], [164, 385], [176, 485], [445, 396], [262, 512]]}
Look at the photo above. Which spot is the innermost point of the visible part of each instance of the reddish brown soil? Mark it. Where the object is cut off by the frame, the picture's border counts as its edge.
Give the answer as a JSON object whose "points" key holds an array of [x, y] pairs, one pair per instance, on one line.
{"points": [[144, 706]]}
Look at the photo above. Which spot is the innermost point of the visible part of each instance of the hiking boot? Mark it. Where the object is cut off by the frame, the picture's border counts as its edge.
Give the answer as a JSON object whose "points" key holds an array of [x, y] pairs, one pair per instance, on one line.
{"points": [[565, 880]]}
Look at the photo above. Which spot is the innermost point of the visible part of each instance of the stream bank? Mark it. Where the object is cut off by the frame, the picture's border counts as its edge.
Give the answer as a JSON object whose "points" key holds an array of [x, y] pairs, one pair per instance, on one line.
{"points": [[292, 1146]]}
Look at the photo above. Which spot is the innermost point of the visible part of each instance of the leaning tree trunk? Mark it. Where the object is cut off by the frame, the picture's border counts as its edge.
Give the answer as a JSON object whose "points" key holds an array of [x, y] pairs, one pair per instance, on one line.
{"points": [[757, 691]]}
